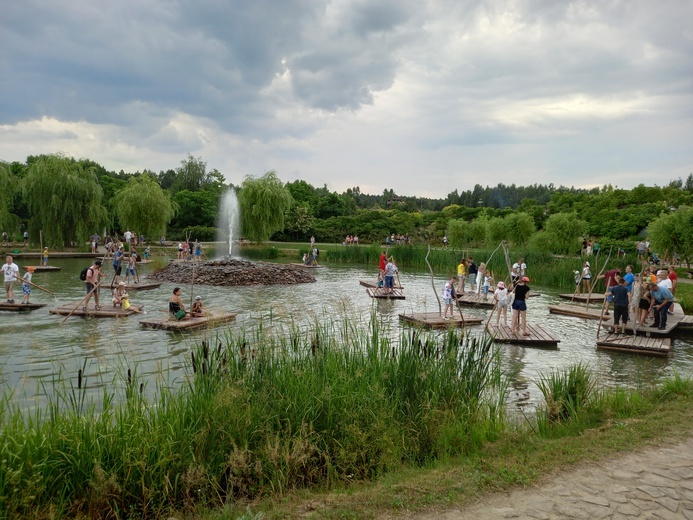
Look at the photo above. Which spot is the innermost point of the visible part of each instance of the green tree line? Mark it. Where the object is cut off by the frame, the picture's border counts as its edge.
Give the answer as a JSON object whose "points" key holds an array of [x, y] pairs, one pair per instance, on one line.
{"points": [[68, 200]]}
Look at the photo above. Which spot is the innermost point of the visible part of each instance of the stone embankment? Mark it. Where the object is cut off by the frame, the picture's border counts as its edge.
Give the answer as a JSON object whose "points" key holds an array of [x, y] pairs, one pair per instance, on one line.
{"points": [[230, 272]]}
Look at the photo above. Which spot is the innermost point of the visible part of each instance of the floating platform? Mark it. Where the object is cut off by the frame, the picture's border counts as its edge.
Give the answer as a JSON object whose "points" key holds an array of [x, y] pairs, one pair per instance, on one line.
{"points": [[42, 268], [20, 307], [475, 300], [298, 264], [210, 320], [106, 311], [578, 311], [537, 336], [686, 323], [636, 344], [373, 285], [394, 294], [142, 286], [435, 320], [595, 297], [673, 321]]}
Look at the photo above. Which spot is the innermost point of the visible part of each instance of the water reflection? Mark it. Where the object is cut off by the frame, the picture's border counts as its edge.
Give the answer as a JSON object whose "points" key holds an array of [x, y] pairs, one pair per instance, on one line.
{"points": [[37, 347]]}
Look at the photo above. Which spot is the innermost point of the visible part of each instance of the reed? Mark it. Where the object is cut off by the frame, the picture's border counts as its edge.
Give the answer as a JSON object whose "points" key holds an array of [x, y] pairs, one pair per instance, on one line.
{"points": [[259, 413], [259, 252]]}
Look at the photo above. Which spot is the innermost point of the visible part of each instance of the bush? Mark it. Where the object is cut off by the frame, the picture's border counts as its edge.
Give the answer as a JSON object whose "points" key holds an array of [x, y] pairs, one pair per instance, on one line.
{"points": [[200, 233]]}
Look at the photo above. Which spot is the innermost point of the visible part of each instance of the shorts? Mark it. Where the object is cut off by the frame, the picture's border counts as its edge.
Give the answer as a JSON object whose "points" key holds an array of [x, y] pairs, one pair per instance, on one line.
{"points": [[519, 305], [620, 314], [26, 288], [9, 286], [644, 304], [179, 315], [118, 269], [485, 290], [90, 287], [503, 304], [129, 271], [448, 301], [609, 298], [389, 282]]}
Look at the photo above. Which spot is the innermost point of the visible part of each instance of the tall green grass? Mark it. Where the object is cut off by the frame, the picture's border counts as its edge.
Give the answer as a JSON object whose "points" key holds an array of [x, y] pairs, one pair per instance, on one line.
{"points": [[259, 413], [567, 395]]}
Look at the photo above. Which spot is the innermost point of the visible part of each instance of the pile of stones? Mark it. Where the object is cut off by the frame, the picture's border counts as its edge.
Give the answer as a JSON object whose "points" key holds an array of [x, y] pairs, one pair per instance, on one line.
{"points": [[231, 271]]}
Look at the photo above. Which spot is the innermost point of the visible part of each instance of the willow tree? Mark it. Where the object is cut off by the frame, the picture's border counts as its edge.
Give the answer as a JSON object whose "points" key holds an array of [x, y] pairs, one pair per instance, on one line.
{"points": [[64, 199], [7, 190], [263, 204], [143, 207]]}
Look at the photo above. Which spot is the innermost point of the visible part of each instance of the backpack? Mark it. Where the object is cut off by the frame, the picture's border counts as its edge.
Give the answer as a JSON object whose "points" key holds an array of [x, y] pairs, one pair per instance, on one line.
{"points": [[83, 273]]}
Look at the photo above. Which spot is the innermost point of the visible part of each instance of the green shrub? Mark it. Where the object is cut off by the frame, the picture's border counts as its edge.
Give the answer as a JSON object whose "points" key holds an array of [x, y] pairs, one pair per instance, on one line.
{"points": [[200, 233]]}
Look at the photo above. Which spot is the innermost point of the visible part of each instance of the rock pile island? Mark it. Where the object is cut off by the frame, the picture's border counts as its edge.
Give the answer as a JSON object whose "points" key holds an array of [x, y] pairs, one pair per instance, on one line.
{"points": [[232, 271]]}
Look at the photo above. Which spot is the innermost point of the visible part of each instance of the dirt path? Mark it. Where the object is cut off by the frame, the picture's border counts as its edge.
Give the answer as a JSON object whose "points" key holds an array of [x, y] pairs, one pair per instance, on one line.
{"points": [[654, 483]]}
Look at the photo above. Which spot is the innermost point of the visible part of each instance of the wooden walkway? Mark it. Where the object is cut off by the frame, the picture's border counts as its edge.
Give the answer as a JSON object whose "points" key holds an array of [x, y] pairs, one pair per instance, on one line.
{"points": [[42, 268], [578, 311], [636, 344], [537, 336], [395, 294], [435, 320], [20, 307], [596, 297], [686, 322], [212, 319], [107, 310]]}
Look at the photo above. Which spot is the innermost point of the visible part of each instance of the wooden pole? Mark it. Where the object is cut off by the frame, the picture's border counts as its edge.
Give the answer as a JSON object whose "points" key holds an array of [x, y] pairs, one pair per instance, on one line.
{"points": [[440, 309], [37, 286], [96, 287]]}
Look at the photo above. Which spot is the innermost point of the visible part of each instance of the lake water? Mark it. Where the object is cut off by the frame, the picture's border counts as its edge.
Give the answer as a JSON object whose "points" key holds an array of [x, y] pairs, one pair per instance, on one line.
{"points": [[38, 347]]}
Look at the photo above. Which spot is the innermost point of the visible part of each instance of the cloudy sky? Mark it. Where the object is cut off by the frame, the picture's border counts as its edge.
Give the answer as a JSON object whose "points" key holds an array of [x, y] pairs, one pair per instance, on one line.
{"points": [[422, 96]]}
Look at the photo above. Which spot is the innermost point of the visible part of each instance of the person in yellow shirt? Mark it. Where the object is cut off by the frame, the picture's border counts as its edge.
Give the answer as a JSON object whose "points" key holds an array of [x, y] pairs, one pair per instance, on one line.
{"points": [[461, 275]]}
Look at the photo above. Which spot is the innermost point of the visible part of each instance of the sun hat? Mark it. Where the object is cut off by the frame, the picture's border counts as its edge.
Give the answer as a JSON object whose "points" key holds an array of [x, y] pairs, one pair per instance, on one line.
{"points": [[525, 279], [587, 264], [501, 285], [198, 297], [121, 283]]}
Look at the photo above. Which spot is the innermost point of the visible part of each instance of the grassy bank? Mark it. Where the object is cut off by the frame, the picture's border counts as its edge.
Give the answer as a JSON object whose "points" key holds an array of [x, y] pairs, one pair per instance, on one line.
{"points": [[266, 419]]}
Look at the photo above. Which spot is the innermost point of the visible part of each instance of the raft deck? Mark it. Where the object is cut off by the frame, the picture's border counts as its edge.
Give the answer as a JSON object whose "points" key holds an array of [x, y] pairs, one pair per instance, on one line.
{"points": [[673, 321], [210, 320], [435, 320], [106, 311], [475, 300], [298, 264], [538, 336], [578, 311], [686, 323], [42, 268], [142, 286], [595, 297], [636, 344], [373, 285], [20, 307], [382, 293]]}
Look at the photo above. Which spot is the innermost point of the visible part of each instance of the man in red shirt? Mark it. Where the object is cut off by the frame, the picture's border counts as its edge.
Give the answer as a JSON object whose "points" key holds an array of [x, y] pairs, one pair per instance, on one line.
{"points": [[674, 282], [611, 279]]}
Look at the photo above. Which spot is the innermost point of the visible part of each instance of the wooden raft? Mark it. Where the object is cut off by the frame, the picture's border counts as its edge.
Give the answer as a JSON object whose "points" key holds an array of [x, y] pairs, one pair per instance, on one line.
{"points": [[475, 300], [394, 294], [636, 344], [298, 264], [537, 336], [596, 297], [19, 307], [42, 268], [673, 321], [142, 286], [209, 320], [373, 285], [434, 320], [106, 311], [686, 322], [578, 311]]}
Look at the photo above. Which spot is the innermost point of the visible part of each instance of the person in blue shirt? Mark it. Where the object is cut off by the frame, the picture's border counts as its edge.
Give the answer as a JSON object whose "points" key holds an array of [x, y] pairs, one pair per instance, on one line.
{"points": [[661, 300], [620, 294], [629, 277]]}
